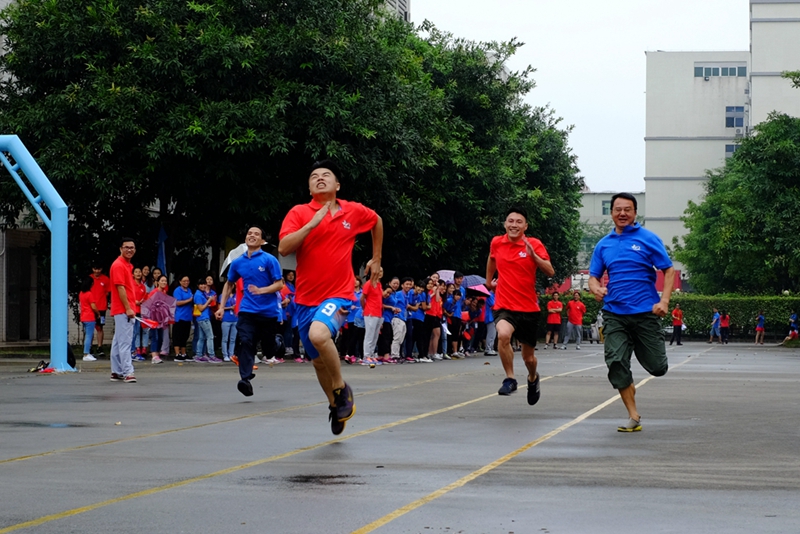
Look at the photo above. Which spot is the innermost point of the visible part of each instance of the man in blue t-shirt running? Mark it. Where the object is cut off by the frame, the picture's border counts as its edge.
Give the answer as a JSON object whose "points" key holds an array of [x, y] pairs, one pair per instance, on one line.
{"points": [[632, 309]]}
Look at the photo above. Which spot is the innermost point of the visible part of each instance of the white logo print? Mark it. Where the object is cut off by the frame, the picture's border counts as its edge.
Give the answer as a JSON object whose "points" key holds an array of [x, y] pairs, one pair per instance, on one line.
{"points": [[523, 254], [636, 247], [346, 225], [262, 269]]}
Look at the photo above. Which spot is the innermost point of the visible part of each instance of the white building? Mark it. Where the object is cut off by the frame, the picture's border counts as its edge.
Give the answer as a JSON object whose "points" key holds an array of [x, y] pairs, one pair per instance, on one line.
{"points": [[700, 105], [401, 7]]}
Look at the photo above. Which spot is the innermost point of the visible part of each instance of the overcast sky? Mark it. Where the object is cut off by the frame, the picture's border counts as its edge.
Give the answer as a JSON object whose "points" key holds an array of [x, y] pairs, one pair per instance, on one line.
{"points": [[590, 62]]}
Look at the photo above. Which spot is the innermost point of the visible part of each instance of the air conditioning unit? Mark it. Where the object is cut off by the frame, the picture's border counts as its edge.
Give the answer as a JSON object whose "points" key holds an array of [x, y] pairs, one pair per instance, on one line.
{"points": [[739, 132]]}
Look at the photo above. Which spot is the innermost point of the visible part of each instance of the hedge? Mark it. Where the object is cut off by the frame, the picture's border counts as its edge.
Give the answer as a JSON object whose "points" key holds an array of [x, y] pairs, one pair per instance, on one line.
{"points": [[698, 312]]}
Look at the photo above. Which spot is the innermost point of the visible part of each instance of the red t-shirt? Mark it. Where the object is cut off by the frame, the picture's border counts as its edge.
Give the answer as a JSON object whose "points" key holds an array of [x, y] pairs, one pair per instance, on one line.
{"points": [[724, 321], [100, 289], [677, 317], [373, 299], [140, 293], [554, 318], [516, 283], [325, 258], [436, 304], [87, 313], [122, 275], [575, 311]]}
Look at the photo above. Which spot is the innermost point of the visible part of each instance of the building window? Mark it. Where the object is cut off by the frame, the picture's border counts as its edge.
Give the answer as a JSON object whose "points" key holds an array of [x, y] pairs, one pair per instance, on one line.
{"points": [[730, 149], [734, 116], [698, 72], [742, 71], [707, 72], [606, 207], [715, 71], [703, 71]]}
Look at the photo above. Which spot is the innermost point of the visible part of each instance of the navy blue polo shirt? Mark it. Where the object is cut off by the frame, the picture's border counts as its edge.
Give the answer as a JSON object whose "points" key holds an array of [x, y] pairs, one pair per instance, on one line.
{"points": [[261, 270], [631, 259]]}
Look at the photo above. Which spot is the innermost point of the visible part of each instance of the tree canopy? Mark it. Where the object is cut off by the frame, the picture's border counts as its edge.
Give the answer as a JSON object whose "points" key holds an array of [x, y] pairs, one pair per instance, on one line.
{"points": [[745, 235], [204, 116]]}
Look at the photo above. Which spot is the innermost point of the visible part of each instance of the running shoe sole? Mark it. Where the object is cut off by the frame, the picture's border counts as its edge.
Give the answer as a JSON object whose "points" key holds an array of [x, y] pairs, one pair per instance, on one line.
{"points": [[337, 427], [245, 388]]}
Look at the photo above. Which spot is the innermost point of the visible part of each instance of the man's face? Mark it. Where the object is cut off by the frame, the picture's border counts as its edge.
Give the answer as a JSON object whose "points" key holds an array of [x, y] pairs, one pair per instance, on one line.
{"points": [[127, 250], [96, 272], [322, 181], [394, 284], [457, 281], [556, 296], [623, 213], [408, 284], [254, 237], [576, 296], [515, 225]]}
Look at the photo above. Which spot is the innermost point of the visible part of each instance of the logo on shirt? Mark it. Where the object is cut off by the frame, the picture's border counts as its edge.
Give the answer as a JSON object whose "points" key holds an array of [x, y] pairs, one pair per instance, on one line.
{"points": [[523, 254], [262, 268], [636, 247], [346, 225]]}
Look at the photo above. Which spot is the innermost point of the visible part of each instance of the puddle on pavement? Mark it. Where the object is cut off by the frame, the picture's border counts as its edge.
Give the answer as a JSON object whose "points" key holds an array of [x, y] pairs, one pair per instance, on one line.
{"points": [[35, 424], [309, 480]]}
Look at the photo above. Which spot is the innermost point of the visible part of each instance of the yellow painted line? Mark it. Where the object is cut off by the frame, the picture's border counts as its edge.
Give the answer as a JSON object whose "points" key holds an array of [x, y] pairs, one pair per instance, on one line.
{"points": [[497, 463], [159, 489], [223, 421]]}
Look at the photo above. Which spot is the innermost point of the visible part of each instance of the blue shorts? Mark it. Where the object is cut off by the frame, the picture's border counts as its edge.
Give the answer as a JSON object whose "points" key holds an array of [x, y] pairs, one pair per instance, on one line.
{"points": [[329, 313], [715, 331]]}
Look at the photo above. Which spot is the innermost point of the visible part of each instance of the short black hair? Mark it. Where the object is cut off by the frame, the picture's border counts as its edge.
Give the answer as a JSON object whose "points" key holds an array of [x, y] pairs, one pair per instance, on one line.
{"points": [[86, 284], [517, 209], [626, 196], [407, 279], [201, 281], [259, 229], [327, 164], [458, 274], [123, 240]]}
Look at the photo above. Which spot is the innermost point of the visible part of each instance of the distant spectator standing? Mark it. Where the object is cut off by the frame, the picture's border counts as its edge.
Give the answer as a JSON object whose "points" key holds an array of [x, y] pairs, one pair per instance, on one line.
{"points": [[491, 330], [677, 324], [122, 301], [760, 319], [554, 309], [101, 287], [372, 304], [724, 326], [183, 319], [140, 333], [575, 312], [229, 328], [399, 319], [89, 315], [715, 328], [204, 298]]}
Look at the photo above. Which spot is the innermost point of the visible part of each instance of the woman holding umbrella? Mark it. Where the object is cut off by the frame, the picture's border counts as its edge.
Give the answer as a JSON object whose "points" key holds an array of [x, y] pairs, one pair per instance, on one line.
{"points": [[159, 308]]}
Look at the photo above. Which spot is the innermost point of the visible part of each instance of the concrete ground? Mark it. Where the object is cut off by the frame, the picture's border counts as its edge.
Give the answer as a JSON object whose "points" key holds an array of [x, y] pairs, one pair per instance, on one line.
{"points": [[432, 448]]}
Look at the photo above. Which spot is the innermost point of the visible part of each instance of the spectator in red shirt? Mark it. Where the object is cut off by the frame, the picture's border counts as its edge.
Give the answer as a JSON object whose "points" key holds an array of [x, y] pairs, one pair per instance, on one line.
{"points": [[517, 258], [575, 311], [554, 309], [677, 325], [372, 304], [123, 296], [140, 333], [101, 287], [89, 316]]}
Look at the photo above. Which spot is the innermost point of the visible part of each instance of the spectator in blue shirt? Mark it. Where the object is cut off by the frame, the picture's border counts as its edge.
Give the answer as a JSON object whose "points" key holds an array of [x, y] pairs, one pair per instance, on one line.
{"points": [[411, 306], [183, 318], [632, 309], [400, 316], [715, 328], [491, 331], [229, 328], [203, 299], [459, 295], [258, 311]]}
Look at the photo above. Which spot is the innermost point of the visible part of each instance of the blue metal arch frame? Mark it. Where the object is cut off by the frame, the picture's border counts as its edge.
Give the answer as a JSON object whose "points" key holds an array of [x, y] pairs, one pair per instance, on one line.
{"points": [[57, 223]]}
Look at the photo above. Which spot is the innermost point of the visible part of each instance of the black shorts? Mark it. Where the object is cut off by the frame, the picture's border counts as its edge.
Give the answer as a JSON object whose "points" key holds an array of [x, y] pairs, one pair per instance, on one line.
{"points": [[101, 321], [432, 322], [525, 324], [554, 328], [180, 333]]}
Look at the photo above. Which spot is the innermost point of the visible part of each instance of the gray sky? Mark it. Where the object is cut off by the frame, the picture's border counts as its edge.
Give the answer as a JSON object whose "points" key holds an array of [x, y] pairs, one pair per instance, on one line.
{"points": [[590, 62]]}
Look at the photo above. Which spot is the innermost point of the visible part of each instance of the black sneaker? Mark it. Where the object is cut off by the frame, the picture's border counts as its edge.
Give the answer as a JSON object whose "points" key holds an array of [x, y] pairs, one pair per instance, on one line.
{"points": [[117, 378], [509, 386], [345, 406], [337, 427], [245, 388], [534, 391], [181, 358]]}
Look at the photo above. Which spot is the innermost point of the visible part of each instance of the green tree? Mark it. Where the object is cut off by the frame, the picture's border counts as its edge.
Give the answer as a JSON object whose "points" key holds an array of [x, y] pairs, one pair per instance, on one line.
{"points": [[745, 235], [204, 116]]}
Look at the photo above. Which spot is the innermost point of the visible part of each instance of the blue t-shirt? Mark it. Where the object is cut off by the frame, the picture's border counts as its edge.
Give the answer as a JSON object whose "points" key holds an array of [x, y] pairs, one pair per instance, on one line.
{"points": [[261, 270], [400, 302], [419, 313], [229, 316], [183, 313], [489, 317], [760, 322], [356, 311], [290, 307], [387, 313], [793, 321], [450, 305], [458, 306], [715, 320], [631, 259], [201, 298]]}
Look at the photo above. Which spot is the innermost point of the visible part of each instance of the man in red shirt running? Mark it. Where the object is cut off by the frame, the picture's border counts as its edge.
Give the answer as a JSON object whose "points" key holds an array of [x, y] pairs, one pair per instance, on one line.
{"points": [[322, 233], [575, 312], [517, 258], [554, 309]]}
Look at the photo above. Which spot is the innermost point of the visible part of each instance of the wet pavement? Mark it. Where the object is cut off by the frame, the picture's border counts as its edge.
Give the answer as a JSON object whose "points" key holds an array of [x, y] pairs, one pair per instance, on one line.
{"points": [[432, 448]]}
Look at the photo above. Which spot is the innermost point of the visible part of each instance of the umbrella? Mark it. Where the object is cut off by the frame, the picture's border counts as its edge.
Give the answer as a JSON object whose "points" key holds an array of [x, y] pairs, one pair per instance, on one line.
{"points": [[288, 263], [472, 280], [232, 255], [445, 275], [479, 289], [159, 307]]}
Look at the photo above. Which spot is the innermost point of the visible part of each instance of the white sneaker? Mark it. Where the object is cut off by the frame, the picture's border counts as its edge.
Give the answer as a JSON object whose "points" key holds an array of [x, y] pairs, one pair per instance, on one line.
{"points": [[578, 347], [289, 351], [446, 357], [563, 347], [438, 357], [89, 358], [426, 360]]}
